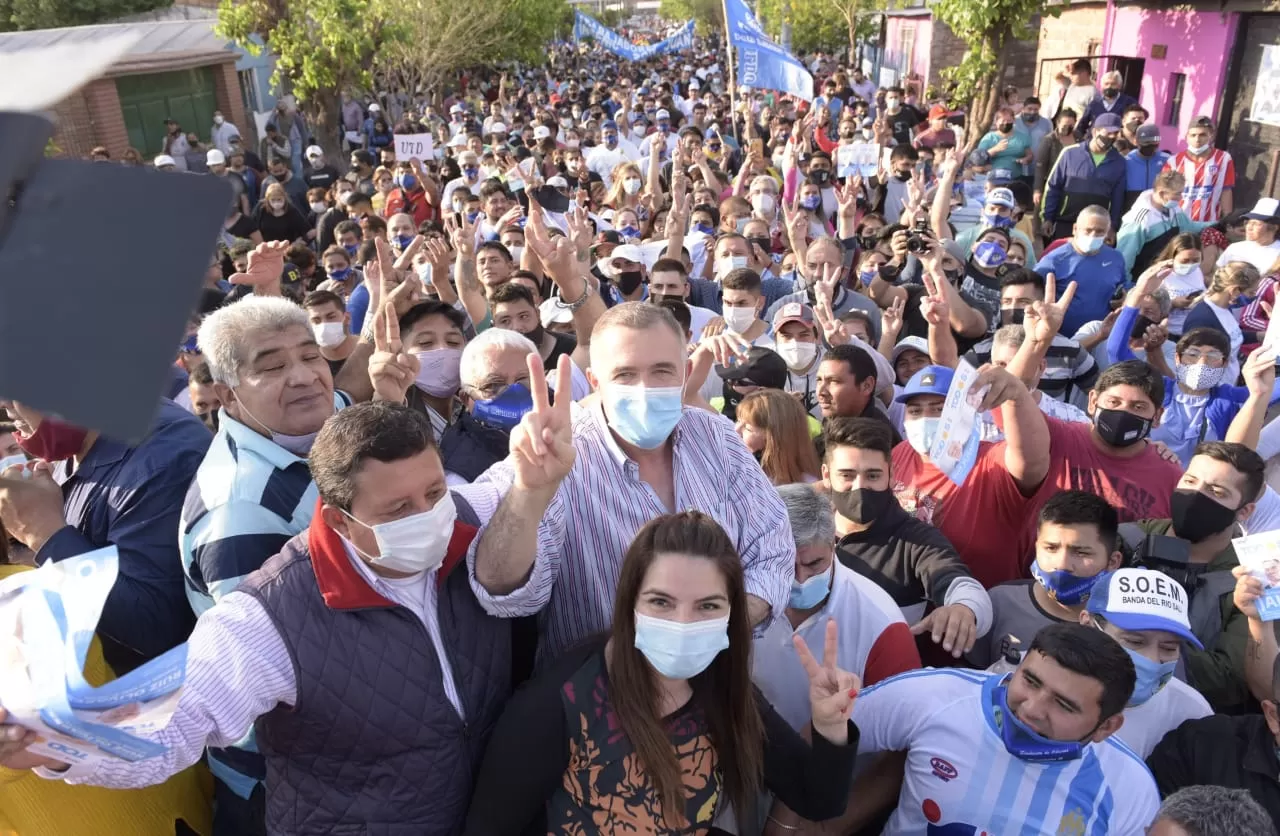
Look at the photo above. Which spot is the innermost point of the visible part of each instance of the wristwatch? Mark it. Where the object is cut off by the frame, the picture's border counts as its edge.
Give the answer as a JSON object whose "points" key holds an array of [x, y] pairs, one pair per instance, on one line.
{"points": [[573, 306]]}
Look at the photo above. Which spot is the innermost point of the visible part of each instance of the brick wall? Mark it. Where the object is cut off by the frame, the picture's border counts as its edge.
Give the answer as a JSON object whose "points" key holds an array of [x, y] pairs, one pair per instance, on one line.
{"points": [[948, 51], [89, 118], [226, 86], [1074, 34]]}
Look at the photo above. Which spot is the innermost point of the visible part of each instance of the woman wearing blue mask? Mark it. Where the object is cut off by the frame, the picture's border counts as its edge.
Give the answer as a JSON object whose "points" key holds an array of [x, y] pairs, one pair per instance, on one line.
{"points": [[1146, 612], [656, 727]]}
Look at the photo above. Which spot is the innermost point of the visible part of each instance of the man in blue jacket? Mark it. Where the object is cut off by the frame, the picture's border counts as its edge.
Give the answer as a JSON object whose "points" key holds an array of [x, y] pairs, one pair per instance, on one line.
{"points": [[1110, 102], [1088, 174], [1143, 163]]}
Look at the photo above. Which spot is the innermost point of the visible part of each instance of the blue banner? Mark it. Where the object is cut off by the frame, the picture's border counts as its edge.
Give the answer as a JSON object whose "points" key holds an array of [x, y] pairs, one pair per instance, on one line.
{"points": [[761, 62], [585, 26]]}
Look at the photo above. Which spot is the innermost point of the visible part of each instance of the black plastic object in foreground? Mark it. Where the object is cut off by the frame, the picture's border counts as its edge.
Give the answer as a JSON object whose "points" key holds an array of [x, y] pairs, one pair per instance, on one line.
{"points": [[100, 268]]}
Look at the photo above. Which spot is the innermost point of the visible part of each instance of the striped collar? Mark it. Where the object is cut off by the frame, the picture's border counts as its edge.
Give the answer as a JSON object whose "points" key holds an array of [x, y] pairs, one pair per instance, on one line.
{"points": [[241, 437], [341, 584]]}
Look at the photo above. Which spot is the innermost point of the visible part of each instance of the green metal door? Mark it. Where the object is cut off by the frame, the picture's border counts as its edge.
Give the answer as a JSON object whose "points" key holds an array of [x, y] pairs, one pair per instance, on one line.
{"points": [[147, 100]]}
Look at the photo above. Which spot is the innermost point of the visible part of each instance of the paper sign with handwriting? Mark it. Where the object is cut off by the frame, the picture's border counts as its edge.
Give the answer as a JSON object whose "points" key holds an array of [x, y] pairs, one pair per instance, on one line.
{"points": [[859, 159], [409, 146]]}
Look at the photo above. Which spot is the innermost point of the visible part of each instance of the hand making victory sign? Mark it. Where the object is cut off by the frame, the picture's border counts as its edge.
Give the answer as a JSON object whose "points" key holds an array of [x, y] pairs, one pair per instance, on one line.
{"points": [[832, 691], [391, 369], [542, 443]]}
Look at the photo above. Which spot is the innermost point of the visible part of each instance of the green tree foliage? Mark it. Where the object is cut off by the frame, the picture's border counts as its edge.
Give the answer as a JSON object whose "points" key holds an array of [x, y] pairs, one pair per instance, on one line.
{"points": [[18, 15], [830, 25], [707, 15], [988, 28]]}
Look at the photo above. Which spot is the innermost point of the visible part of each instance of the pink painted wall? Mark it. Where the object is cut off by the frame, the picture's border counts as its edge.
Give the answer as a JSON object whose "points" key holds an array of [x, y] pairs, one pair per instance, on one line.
{"points": [[1198, 45], [922, 44]]}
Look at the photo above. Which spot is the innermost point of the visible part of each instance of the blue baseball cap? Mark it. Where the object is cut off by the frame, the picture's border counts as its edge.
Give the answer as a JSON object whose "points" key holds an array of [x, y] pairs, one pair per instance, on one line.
{"points": [[1108, 122], [608, 125], [1142, 599], [931, 380]]}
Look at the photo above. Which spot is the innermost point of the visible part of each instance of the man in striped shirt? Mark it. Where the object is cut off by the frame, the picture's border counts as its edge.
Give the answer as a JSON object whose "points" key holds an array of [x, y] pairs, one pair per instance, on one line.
{"points": [[582, 483], [1210, 173]]}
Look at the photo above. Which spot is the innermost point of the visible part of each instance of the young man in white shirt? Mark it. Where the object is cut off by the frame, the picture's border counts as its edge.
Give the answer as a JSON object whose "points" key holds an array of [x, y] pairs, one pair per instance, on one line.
{"points": [[1146, 612]]}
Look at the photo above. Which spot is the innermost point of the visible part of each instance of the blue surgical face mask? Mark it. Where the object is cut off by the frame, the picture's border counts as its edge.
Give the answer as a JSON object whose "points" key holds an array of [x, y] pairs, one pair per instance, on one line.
{"points": [[921, 432], [644, 416], [10, 461], [351, 249], [472, 216], [403, 241], [471, 172], [680, 650], [1065, 588], [1152, 676], [629, 231], [705, 229], [406, 181], [811, 593], [868, 276], [741, 225], [811, 202], [1024, 742], [989, 254], [992, 220], [506, 410], [340, 275]]}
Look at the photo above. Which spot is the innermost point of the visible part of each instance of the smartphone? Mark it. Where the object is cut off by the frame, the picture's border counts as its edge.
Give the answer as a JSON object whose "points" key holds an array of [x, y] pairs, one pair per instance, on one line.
{"points": [[757, 146]]}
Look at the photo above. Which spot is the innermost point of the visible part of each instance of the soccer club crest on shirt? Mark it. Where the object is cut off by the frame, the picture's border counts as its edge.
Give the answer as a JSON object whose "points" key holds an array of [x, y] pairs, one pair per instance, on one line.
{"points": [[935, 827], [1071, 824]]}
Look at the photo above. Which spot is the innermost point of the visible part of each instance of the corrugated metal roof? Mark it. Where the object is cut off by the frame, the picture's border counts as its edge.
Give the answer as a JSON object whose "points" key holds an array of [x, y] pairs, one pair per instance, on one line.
{"points": [[155, 38]]}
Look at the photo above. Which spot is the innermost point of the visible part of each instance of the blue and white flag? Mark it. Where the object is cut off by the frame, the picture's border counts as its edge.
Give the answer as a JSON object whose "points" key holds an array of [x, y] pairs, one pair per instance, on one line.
{"points": [[586, 26], [761, 62], [681, 41]]}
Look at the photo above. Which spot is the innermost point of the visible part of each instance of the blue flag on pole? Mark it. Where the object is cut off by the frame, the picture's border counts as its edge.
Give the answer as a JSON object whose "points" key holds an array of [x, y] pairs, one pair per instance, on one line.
{"points": [[586, 26], [761, 62]]}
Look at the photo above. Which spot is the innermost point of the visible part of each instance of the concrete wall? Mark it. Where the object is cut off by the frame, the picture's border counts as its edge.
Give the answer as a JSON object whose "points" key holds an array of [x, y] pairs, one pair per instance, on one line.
{"points": [[1198, 45], [1076, 33]]}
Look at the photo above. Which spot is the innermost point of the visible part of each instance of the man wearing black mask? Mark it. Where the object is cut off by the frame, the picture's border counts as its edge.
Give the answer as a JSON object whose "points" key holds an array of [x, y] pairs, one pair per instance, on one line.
{"points": [[1062, 136], [909, 559], [514, 308], [1218, 491]]}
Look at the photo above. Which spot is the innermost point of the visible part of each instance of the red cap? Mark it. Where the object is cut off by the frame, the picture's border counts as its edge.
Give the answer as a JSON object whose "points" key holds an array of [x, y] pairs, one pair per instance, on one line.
{"points": [[938, 112]]}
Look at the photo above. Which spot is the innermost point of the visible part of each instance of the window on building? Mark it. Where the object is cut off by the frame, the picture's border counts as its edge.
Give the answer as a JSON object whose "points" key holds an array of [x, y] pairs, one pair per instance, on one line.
{"points": [[1177, 84], [249, 89]]}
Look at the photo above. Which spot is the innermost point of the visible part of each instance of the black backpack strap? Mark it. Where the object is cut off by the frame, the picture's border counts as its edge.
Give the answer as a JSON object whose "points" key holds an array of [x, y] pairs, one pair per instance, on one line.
{"points": [[466, 514]]}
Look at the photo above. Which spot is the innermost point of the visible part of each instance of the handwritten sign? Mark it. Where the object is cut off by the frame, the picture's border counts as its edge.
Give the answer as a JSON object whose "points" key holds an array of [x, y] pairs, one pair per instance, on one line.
{"points": [[1260, 554], [955, 446], [409, 146], [859, 159]]}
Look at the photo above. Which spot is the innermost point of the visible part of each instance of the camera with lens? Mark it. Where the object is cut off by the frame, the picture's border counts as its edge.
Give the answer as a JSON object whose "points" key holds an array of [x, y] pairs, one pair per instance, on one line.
{"points": [[920, 240]]}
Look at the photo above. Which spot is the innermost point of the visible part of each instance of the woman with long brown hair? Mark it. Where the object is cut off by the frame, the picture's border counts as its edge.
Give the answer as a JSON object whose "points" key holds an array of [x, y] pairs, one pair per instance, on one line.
{"points": [[656, 727], [775, 428]]}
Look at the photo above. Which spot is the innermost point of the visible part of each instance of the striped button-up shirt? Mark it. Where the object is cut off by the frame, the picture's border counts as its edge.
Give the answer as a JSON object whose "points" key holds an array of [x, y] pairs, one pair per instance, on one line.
{"points": [[603, 503]]}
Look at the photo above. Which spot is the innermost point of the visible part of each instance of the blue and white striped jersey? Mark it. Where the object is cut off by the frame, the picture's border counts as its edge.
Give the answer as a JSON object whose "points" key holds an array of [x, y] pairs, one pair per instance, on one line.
{"points": [[961, 781]]}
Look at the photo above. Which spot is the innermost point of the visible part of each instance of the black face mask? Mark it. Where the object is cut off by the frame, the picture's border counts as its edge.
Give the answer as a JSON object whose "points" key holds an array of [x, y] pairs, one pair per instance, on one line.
{"points": [[820, 177], [1030, 118], [1197, 517], [537, 334], [1111, 92], [953, 275], [1105, 142], [902, 176], [629, 281], [1147, 150], [1140, 326], [1067, 128], [1120, 428], [1006, 127], [861, 505], [1014, 316]]}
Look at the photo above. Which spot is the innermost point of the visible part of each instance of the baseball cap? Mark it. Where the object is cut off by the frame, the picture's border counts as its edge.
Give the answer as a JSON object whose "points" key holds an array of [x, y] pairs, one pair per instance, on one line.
{"points": [[1142, 599], [608, 125], [497, 128], [375, 108], [1000, 176], [931, 380], [763, 367], [554, 312], [456, 108], [164, 160], [1108, 122], [793, 312], [1001, 197], [458, 141], [314, 151], [542, 132], [662, 114], [215, 157], [557, 182], [1267, 209], [919, 344], [938, 112], [1148, 135], [626, 252]]}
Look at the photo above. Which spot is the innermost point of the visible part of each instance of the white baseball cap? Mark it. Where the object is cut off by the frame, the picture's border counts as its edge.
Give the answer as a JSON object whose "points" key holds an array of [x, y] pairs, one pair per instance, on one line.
{"points": [[164, 160], [497, 128], [1142, 599], [554, 312], [375, 108], [314, 151], [214, 157], [914, 343], [542, 132]]}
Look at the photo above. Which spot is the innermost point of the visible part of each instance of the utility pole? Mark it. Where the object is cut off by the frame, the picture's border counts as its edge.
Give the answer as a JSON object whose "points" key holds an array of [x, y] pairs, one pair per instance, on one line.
{"points": [[786, 25]]}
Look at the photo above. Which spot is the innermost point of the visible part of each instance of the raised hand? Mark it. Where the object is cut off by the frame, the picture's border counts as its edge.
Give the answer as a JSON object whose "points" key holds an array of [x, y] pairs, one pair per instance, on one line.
{"points": [[891, 317], [1260, 372], [832, 328], [1043, 319], [847, 196], [1154, 337], [392, 370], [796, 223], [935, 307], [511, 216], [995, 385], [462, 233], [828, 281], [266, 266], [955, 627], [557, 253], [727, 348], [542, 443], [1247, 592], [832, 691]]}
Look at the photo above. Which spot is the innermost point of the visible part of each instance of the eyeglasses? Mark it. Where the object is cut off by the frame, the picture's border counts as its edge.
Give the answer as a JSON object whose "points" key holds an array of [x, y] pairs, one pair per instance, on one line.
{"points": [[1213, 358]]}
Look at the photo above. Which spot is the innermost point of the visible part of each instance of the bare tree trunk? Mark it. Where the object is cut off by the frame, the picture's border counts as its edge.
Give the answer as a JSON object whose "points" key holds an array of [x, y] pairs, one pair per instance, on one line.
{"points": [[986, 99], [326, 125]]}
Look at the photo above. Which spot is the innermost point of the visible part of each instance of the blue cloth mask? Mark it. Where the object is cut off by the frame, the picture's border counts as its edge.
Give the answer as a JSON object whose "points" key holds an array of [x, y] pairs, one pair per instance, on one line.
{"points": [[680, 650], [989, 254], [340, 275], [351, 249], [1022, 741], [811, 593], [644, 416], [406, 181], [705, 229], [629, 231], [811, 202], [992, 220], [403, 241], [506, 410], [1152, 676], [1065, 588]]}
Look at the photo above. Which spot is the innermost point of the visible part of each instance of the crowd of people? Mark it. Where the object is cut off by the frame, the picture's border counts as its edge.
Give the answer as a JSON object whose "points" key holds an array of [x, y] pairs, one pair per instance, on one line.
{"points": [[581, 476]]}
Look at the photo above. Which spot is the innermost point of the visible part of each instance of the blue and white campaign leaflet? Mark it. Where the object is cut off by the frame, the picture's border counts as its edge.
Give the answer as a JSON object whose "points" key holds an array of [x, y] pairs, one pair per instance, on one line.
{"points": [[955, 446], [1260, 554], [47, 621], [761, 62]]}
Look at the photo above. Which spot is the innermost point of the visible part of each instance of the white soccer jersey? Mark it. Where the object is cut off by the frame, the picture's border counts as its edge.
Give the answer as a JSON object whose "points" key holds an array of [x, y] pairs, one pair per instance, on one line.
{"points": [[961, 781]]}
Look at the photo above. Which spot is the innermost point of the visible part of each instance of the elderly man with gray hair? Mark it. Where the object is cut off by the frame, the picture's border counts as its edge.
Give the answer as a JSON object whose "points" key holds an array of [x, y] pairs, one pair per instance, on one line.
{"points": [[253, 490], [1111, 99], [1211, 811], [874, 641]]}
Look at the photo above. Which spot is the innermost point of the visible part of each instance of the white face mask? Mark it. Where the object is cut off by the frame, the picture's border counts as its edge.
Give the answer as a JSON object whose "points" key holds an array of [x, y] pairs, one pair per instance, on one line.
{"points": [[1184, 268], [276, 205], [764, 204], [319, 207], [725, 266], [739, 320], [920, 433], [329, 334], [631, 185], [1088, 244], [1196, 150], [797, 355], [516, 253], [218, 120], [416, 543]]}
